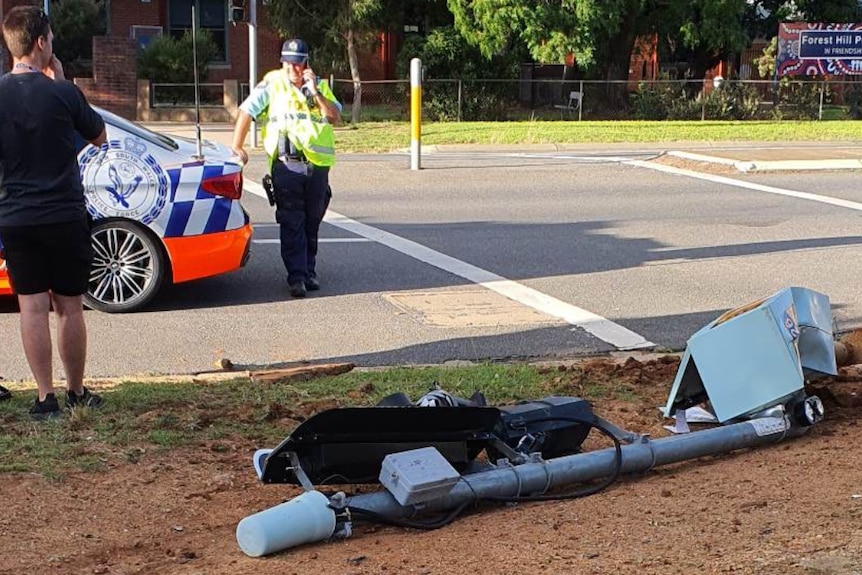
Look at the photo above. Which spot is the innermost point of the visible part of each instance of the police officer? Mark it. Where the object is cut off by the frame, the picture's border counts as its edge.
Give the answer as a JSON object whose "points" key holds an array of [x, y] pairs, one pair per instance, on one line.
{"points": [[298, 111]]}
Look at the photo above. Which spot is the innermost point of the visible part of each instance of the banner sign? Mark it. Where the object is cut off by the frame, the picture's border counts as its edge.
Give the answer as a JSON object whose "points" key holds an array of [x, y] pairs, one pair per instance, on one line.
{"points": [[806, 49]]}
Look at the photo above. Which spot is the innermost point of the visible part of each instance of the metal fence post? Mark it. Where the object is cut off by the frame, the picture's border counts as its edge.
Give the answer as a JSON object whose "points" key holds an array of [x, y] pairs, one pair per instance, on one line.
{"points": [[459, 99], [581, 103], [822, 90]]}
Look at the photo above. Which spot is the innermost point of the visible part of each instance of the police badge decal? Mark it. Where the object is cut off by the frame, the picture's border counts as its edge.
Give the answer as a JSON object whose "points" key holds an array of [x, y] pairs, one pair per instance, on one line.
{"points": [[123, 180]]}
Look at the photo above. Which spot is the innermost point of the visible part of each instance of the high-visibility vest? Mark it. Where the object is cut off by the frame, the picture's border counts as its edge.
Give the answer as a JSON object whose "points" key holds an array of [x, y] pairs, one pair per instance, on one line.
{"points": [[290, 114]]}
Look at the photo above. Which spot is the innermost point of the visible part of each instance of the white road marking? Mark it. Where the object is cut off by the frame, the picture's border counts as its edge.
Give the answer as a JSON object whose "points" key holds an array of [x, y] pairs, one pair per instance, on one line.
{"points": [[748, 185], [604, 329], [321, 240]]}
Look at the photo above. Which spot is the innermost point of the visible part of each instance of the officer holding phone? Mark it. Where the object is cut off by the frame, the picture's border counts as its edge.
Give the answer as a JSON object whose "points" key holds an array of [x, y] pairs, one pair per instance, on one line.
{"points": [[298, 111]]}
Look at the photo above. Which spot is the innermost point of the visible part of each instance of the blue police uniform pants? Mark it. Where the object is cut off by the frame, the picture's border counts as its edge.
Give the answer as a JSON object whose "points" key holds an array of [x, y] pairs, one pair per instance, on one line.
{"points": [[301, 200]]}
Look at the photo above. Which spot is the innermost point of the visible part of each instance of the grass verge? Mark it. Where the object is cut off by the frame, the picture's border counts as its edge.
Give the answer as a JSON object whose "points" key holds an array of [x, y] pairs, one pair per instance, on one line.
{"points": [[142, 418], [388, 136]]}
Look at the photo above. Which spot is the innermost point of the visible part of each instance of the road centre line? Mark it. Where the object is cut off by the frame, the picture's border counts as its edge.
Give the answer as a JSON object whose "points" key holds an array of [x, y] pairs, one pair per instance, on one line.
{"points": [[604, 329], [321, 240], [747, 185]]}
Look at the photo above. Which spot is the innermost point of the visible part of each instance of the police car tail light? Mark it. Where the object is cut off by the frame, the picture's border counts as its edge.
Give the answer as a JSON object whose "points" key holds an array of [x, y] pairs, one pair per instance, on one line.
{"points": [[228, 185]]}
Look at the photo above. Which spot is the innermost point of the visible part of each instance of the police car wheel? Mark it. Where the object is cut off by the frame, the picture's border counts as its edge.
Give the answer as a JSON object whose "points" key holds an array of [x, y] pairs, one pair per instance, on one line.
{"points": [[128, 267]]}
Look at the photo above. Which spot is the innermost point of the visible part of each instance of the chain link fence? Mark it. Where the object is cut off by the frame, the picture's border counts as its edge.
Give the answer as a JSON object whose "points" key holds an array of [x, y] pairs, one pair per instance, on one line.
{"points": [[453, 100], [164, 95], [508, 100]]}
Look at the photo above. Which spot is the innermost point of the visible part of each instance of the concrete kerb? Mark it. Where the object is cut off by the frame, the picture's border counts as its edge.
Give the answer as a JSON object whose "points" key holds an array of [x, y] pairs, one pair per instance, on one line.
{"points": [[694, 151], [745, 166]]}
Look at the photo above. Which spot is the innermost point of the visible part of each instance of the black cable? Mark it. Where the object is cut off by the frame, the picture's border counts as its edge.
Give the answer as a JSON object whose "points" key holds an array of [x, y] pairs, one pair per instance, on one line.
{"points": [[375, 517], [610, 479]]}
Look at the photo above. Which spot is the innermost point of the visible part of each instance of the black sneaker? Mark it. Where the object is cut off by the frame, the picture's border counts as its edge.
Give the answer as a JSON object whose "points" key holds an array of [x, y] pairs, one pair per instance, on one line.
{"points": [[297, 289], [47, 409], [311, 284], [88, 399], [5, 393]]}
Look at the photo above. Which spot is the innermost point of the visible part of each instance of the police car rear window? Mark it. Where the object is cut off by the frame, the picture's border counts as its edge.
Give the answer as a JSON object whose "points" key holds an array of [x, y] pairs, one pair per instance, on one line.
{"points": [[137, 130]]}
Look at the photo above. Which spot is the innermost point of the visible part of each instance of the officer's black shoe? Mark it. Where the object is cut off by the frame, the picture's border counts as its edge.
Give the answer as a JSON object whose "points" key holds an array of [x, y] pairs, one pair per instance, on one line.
{"points": [[297, 289], [311, 284]]}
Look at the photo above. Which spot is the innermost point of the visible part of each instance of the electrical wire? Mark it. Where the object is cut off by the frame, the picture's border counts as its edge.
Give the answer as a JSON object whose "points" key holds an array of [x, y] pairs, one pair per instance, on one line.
{"points": [[374, 517], [609, 480]]}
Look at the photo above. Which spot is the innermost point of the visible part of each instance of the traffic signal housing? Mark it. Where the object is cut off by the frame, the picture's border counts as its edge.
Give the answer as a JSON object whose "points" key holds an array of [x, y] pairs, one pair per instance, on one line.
{"points": [[236, 11]]}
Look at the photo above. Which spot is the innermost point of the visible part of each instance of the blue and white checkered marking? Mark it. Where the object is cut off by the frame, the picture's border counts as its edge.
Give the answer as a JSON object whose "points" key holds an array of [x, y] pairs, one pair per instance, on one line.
{"points": [[195, 211], [123, 179]]}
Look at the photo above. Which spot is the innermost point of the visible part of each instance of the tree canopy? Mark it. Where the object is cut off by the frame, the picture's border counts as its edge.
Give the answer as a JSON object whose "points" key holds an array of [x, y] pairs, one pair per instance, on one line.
{"points": [[74, 23], [601, 34]]}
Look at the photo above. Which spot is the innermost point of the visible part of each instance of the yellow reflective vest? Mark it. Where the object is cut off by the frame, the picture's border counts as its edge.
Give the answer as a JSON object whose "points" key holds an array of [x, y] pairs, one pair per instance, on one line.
{"points": [[306, 126]]}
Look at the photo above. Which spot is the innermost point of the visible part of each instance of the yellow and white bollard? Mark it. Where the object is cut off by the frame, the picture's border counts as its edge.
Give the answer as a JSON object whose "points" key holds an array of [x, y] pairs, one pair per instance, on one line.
{"points": [[415, 113]]}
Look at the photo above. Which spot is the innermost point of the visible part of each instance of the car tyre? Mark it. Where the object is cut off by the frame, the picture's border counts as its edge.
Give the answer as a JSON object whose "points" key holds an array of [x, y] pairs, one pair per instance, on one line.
{"points": [[128, 267]]}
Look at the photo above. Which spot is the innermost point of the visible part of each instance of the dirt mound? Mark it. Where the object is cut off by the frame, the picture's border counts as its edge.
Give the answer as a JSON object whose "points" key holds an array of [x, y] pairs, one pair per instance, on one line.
{"points": [[790, 509]]}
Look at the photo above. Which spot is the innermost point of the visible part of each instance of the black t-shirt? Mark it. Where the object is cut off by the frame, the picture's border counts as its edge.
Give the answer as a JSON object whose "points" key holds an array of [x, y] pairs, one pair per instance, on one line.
{"points": [[41, 181]]}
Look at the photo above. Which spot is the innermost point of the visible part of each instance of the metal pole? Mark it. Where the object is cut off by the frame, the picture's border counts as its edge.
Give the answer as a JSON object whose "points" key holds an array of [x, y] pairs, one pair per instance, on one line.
{"points": [[252, 59], [539, 477], [581, 102], [198, 138], [820, 111], [309, 518], [460, 95], [415, 113], [45, 7]]}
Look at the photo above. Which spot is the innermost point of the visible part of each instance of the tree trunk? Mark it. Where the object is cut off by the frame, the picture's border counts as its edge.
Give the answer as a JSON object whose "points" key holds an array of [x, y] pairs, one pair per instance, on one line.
{"points": [[353, 58], [619, 56]]}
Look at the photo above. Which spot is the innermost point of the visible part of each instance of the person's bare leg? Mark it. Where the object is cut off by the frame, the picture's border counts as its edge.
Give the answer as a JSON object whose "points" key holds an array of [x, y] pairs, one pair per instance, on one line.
{"points": [[71, 339], [36, 337]]}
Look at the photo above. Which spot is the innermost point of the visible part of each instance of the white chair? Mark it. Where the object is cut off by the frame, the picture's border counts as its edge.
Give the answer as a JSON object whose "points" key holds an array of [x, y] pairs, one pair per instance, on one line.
{"points": [[573, 105]]}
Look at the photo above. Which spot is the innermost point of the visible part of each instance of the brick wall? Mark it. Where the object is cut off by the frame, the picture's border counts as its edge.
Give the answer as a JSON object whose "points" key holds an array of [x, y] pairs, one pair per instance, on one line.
{"points": [[114, 85], [268, 50], [127, 13]]}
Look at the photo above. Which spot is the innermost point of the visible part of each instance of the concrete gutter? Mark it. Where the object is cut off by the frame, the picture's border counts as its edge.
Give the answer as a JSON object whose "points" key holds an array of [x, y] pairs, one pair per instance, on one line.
{"points": [[745, 166]]}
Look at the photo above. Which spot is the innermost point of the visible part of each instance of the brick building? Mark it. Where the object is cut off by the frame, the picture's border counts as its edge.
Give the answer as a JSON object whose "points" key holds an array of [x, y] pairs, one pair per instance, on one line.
{"points": [[131, 25], [140, 20]]}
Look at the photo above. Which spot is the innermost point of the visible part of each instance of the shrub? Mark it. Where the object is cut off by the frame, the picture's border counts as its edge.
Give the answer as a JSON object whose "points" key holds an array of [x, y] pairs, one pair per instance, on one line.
{"points": [[171, 61], [801, 100], [446, 54], [670, 101], [74, 23]]}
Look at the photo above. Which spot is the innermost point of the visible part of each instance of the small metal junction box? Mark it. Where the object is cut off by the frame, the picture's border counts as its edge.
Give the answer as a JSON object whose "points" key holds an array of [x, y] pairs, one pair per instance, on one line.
{"points": [[417, 475]]}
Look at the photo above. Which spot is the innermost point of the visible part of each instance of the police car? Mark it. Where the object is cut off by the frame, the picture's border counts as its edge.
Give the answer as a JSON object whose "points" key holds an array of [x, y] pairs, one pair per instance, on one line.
{"points": [[162, 214]]}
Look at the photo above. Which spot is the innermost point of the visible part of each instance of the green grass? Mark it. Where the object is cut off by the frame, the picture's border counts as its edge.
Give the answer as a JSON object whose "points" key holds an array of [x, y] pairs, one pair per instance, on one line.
{"points": [[140, 419], [388, 136]]}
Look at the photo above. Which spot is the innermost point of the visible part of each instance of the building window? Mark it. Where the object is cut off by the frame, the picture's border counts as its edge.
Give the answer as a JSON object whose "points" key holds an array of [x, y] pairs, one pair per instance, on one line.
{"points": [[211, 16]]}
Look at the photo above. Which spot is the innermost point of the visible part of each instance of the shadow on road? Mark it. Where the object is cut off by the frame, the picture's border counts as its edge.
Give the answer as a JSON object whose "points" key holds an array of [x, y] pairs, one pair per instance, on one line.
{"points": [[516, 252]]}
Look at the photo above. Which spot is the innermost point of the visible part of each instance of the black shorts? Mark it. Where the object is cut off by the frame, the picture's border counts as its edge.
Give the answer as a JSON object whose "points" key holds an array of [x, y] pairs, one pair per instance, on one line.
{"points": [[49, 257]]}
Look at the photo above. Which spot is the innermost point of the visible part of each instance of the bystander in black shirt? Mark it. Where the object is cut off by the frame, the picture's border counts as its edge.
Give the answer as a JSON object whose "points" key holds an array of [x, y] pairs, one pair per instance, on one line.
{"points": [[41, 181]]}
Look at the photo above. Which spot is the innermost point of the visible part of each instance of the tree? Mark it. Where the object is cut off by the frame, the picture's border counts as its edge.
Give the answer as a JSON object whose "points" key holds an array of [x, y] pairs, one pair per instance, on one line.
{"points": [[701, 33], [764, 16], [74, 23], [601, 35], [331, 28], [171, 60]]}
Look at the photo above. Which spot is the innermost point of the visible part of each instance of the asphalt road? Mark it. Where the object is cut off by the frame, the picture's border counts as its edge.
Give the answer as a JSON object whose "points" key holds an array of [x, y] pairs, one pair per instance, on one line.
{"points": [[498, 255]]}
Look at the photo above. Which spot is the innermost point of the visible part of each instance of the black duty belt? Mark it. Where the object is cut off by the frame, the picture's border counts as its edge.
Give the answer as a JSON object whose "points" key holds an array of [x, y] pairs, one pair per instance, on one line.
{"points": [[293, 158]]}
